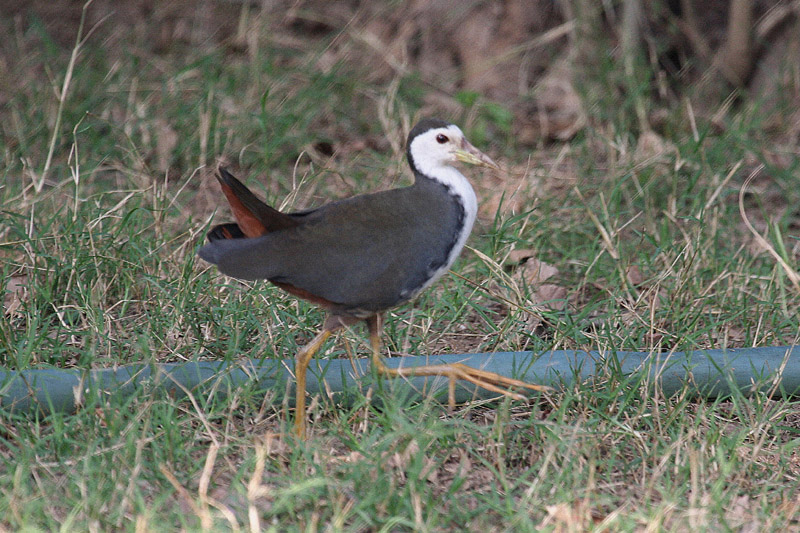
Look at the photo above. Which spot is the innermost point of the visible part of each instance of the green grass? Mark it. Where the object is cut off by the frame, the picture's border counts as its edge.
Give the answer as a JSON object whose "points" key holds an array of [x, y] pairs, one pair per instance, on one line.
{"points": [[100, 270]]}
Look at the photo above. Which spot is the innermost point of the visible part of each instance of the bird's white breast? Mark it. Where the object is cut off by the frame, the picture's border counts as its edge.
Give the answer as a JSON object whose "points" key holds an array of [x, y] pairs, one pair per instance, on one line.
{"points": [[458, 186]]}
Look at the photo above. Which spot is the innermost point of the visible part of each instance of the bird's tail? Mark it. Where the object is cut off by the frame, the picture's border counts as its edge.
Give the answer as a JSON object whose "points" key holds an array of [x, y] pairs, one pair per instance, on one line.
{"points": [[253, 217]]}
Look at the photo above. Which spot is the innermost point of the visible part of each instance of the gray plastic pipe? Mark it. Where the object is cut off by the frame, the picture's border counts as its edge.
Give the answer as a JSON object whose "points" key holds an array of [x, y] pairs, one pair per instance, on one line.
{"points": [[708, 373]]}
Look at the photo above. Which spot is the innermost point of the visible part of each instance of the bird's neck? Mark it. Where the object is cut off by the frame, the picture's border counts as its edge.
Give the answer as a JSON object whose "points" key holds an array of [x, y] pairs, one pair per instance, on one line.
{"points": [[449, 184], [460, 190], [456, 186]]}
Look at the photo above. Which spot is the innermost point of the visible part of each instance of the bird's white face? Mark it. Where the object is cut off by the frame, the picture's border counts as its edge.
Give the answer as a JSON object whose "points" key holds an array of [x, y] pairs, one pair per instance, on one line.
{"points": [[441, 147]]}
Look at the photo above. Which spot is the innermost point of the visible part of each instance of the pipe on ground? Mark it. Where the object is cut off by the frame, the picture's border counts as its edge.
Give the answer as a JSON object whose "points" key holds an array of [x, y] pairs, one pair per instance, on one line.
{"points": [[707, 373]]}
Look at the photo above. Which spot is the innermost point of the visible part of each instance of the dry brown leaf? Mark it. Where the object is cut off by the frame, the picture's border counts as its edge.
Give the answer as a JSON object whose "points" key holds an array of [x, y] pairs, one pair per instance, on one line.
{"points": [[351, 457], [460, 467], [654, 338], [556, 111], [560, 104], [553, 296], [16, 293], [570, 517], [634, 275], [534, 273], [520, 255], [651, 146]]}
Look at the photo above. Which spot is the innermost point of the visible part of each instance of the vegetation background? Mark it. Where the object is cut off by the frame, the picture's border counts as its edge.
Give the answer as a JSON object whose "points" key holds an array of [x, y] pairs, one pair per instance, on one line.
{"points": [[651, 202]]}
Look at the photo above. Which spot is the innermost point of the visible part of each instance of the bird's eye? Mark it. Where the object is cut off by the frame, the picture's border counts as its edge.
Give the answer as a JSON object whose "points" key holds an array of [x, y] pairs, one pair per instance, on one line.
{"points": [[441, 138]]}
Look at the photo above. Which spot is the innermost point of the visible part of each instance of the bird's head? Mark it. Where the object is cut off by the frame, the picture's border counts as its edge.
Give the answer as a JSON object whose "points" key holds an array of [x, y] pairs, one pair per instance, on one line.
{"points": [[434, 143]]}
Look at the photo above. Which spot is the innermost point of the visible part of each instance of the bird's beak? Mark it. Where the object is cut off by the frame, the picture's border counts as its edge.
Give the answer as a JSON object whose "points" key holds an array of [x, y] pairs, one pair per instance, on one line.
{"points": [[467, 153]]}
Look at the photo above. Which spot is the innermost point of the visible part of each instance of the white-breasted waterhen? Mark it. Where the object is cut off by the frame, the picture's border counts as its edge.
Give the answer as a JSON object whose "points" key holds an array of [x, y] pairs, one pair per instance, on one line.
{"points": [[360, 256]]}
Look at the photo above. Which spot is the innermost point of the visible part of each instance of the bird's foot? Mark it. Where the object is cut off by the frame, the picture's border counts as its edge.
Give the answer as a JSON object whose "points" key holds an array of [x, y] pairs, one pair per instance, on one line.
{"points": [[458, 371]]}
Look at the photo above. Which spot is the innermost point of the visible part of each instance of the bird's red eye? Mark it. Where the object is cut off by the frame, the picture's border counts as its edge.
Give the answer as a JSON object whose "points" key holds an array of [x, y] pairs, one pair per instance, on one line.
{"points": [[441, 138]]}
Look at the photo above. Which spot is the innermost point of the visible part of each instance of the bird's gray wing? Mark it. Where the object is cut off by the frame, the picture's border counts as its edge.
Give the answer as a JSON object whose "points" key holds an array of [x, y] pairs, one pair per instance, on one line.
{"points": [[367, 254]]}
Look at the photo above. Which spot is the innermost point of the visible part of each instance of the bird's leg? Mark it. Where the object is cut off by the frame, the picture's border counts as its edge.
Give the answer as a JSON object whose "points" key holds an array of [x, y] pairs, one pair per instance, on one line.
{"points": [[302, 359], [453, 371]]}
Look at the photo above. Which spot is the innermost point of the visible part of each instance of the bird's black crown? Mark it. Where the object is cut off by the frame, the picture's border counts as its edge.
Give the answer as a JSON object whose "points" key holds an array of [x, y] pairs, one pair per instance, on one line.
{"points": [[426, 124]]}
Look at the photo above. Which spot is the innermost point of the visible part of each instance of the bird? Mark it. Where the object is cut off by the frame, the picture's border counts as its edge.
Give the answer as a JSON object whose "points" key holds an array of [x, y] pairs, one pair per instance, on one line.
{"points": [[361, 256]]}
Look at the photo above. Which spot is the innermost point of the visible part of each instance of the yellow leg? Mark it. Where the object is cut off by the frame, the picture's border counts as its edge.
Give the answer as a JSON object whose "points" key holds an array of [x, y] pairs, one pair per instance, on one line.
{"points": [[454, 371], [302, 359]]}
